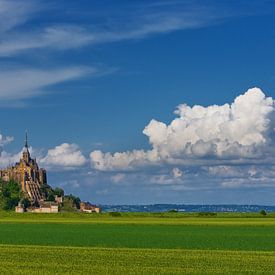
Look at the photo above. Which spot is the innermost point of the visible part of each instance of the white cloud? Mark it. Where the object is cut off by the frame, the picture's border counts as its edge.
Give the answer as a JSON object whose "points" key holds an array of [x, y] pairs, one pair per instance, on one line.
{"points": [[142, 21], [55, 38], [66, 156], [16, 84], [225, 171], [15, 12], [237, 131], [177, 173], [8, 159], [5, 140], [122, 160], [174, 177]]}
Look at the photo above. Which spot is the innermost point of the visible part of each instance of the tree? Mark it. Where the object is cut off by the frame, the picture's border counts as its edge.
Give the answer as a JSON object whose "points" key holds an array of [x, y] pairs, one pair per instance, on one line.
{"points": [[76, 201], [263, 212], [51, 197], [70, 203], [58, 192], [26, 203], [10, 194]]}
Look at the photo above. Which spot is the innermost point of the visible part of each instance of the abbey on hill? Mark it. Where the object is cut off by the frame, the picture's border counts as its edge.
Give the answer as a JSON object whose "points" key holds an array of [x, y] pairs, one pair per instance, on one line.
{"points": [[27, 173], [34, 187]]}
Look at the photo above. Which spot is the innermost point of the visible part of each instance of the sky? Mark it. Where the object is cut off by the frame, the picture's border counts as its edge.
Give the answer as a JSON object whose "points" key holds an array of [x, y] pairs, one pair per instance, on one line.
{"points": [[142, 102]]}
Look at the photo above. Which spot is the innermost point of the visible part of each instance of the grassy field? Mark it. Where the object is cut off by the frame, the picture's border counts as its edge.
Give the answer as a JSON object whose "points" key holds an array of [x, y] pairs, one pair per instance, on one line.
{"points": [[75, 260], [137, 243]]}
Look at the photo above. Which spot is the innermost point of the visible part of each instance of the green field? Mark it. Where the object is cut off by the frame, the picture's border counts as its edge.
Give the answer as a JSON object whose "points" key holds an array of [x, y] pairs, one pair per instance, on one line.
{"points": [[137, 243]]}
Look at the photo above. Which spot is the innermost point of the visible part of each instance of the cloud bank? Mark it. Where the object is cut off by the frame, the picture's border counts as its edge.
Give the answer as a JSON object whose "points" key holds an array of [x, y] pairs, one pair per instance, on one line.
{"points": [[210, 149], [241, 130]]}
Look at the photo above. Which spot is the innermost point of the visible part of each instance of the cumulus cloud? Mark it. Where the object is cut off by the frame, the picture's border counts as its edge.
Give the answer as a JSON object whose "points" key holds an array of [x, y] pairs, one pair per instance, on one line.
{"points": [[121, 161], [8, 159], [240, 130], [64, 156]]}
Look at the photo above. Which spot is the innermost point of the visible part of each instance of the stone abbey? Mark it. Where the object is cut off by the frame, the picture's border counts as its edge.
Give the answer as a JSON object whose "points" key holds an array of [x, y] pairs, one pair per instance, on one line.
{"points": [[34, 187], [28, 174]]}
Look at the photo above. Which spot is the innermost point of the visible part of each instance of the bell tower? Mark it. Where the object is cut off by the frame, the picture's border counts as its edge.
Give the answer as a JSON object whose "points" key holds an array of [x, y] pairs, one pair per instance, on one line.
{"points": [[26, 153]]}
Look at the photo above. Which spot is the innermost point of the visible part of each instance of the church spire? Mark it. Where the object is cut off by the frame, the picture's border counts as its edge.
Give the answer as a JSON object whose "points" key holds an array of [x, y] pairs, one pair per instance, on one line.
{"points": [[26, 141], [26, 153]]}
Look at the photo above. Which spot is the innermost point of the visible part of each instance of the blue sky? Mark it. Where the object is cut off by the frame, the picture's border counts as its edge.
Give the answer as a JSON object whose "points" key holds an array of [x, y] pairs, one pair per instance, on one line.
{"points": [[86, 77]]}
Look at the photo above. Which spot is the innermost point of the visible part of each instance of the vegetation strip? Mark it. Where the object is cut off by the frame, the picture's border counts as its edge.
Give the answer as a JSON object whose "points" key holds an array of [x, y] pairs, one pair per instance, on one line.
{"points": [[243, 237], [226, 219], [49, 260]]}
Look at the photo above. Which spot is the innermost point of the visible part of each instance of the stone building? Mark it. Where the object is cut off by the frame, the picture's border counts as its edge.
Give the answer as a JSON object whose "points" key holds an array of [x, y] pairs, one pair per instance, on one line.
{"points": [[89, 208], [45, 207], [27, 173], [19, 208]]}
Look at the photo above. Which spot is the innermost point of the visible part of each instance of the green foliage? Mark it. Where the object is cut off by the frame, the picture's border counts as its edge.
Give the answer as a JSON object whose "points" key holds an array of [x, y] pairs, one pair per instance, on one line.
{"points": [[26, 202], [10, 195], [76, 200], [51, 197], [58, 192], [173, 211], [46, 190], [115, 214], [50, 194], [263, 212], [207, 214], [70, 203]]}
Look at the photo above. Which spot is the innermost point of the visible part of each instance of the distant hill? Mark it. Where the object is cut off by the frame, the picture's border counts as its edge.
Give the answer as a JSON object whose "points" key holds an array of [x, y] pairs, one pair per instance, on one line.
{"points": [[187, 208]]}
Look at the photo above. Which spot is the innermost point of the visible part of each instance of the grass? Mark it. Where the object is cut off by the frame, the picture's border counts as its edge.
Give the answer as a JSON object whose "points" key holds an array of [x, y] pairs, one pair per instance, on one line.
{"points": [[141, 236], [141, 218], [136, 243], [72, 260]]}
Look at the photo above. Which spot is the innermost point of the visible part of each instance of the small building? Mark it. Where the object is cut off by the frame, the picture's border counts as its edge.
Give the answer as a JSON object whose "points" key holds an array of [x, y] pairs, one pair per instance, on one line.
{"points": [[19, 208], [89, 208], [45, 207], [58, 200], [49, 207]]}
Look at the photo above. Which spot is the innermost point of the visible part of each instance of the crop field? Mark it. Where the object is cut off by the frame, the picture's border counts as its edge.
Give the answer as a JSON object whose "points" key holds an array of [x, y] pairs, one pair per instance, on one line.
{"points": [[136, 243]]}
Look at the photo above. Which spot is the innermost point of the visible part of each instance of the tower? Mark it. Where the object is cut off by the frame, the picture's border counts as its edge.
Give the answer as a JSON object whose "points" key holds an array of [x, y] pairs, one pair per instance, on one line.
{"points": [[26, 153]]}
